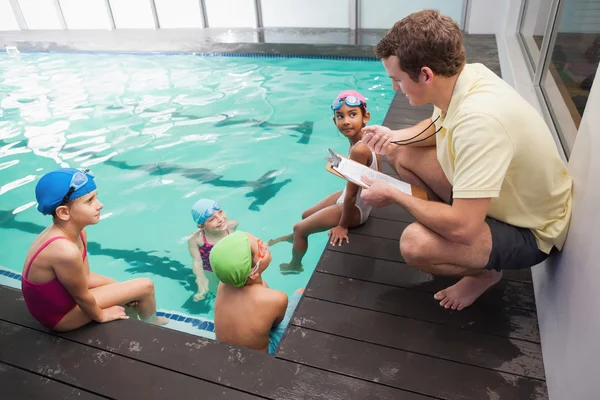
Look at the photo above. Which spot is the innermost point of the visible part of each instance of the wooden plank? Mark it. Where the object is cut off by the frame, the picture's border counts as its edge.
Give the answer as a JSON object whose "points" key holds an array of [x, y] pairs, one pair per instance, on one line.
{"points": [[19, 384], [209, 360], [523, 275], [505, 293], [395, 125], [384, 228], [422, 374], [493, 319], [393, 212], [375, 247], [406, 118], [384, 246], [98, 371], [473, 348]]}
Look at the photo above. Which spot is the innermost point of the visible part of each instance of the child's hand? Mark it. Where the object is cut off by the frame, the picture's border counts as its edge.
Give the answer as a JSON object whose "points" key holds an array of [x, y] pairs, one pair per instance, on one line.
{"points": [[337, 235], [113, 313]]}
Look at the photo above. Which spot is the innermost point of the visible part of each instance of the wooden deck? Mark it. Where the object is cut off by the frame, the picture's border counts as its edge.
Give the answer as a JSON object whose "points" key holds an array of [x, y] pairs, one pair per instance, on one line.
{"points": [[366, 328]]}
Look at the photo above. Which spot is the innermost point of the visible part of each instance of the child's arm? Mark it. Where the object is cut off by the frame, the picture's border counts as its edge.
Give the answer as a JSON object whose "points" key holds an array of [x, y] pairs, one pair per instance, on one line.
{"points": [[194, 243], [70, 271], [280, 302], [360, 153]]}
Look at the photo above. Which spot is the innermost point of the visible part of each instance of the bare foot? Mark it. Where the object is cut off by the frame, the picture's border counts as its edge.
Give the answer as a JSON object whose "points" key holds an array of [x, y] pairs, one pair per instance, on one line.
{"points": [[287, 238], [467, 290], [157, 320], [199, 296], [291, 267]]}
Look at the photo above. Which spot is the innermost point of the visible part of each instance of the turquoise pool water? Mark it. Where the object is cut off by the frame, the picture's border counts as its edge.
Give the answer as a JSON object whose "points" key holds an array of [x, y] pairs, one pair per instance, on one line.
{"points": [[159, 132]]}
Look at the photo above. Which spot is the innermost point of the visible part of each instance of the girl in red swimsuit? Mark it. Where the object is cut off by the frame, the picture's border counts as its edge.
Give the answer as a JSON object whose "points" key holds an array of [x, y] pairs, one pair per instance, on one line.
{"points": [[60, 291]]}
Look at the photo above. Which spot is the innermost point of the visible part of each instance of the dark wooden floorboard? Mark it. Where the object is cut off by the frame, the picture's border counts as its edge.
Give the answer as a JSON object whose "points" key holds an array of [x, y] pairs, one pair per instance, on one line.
{"points": [[383, 228], [382, 242], [415, 372], [196, 357], [493, 319], [370, 246], [454, 344], [99, 371], [505, 293], [394, 213], [17, 384]]}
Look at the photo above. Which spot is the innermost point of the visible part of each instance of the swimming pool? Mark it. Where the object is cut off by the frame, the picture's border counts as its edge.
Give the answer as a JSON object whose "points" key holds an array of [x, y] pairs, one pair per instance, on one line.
{"points": [[161, 131]]}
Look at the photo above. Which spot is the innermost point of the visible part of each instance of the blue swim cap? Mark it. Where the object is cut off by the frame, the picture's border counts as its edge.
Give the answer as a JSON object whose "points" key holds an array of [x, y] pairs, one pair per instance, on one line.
{"points": [[54, 186], [203, 209]]}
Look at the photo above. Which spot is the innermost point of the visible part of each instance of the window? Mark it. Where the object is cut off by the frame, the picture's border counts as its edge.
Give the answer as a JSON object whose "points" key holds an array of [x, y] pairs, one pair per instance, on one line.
{"points": [[571, 65], [536, 14]]}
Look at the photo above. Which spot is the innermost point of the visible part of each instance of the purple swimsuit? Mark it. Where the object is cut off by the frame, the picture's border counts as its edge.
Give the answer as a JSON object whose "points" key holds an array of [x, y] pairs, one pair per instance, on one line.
{"points": [[205, 253]]}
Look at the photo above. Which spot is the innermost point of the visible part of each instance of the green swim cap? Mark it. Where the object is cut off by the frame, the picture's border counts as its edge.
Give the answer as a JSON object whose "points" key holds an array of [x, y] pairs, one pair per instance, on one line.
{"points": [[231, 259]]}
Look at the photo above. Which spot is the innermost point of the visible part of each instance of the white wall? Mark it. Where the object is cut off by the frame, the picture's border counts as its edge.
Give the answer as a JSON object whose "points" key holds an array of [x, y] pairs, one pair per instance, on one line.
{"points": [[137, 14], [382, 14], [488, 16], [88, 14], [231, 13], [567, 287], [40, 14], [291, 13], [179, 13], [8, 22], [132, 14]]}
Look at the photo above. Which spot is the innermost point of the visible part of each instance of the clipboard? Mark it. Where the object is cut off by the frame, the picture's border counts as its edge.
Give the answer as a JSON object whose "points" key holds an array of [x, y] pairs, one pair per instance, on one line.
{"points": [[335, 160]]}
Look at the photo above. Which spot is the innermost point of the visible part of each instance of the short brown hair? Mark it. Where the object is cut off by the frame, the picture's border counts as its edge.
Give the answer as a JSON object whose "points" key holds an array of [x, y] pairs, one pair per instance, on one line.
{"points": [[425, 39]]}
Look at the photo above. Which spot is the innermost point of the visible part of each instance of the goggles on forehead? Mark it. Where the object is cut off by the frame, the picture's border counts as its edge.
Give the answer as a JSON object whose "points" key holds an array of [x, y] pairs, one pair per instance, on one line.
{"points": [[209, 212], [78, 180], [351, 101]]}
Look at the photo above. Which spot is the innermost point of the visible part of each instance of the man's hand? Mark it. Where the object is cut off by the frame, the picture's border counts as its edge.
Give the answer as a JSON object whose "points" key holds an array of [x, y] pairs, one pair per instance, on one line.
{"points": [[378, 194], [378, 138]]}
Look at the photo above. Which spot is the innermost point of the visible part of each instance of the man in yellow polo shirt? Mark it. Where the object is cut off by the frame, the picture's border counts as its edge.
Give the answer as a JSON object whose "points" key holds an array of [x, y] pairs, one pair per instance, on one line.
{"points": [[502, 194]]}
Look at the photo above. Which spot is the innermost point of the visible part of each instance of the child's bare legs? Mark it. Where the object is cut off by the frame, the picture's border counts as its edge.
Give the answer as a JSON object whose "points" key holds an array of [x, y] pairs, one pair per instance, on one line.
{"points": [[320, 221], [201, 282], [326, 202], [141, 290], [96, 280]]}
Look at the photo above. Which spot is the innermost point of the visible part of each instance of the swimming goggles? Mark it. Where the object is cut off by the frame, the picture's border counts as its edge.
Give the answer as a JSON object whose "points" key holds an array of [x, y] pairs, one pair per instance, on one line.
{"points": [[351, 101], [210, 212], [78, 180], [261, 255]]}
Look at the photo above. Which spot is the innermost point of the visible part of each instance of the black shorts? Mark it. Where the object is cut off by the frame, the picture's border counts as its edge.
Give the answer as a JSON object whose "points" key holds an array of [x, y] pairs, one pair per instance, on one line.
{"points": [[512, 247]]}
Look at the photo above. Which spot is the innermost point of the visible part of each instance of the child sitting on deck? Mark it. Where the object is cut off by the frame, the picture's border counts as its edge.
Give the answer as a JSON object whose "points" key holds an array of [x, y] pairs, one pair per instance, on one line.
{"points": [[247, 312], [343, 209], [212, 226], [59, 289]]}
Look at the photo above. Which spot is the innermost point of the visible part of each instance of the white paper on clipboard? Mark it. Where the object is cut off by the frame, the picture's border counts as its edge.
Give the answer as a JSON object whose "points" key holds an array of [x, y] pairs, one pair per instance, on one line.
{"points": [[353, 171]]}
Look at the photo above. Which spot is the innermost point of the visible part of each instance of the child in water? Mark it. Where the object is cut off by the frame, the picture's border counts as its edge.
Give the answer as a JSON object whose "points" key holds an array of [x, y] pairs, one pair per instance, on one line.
{"points": [[343, 209], [213, 226], [247, 312], [59, 289]]}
